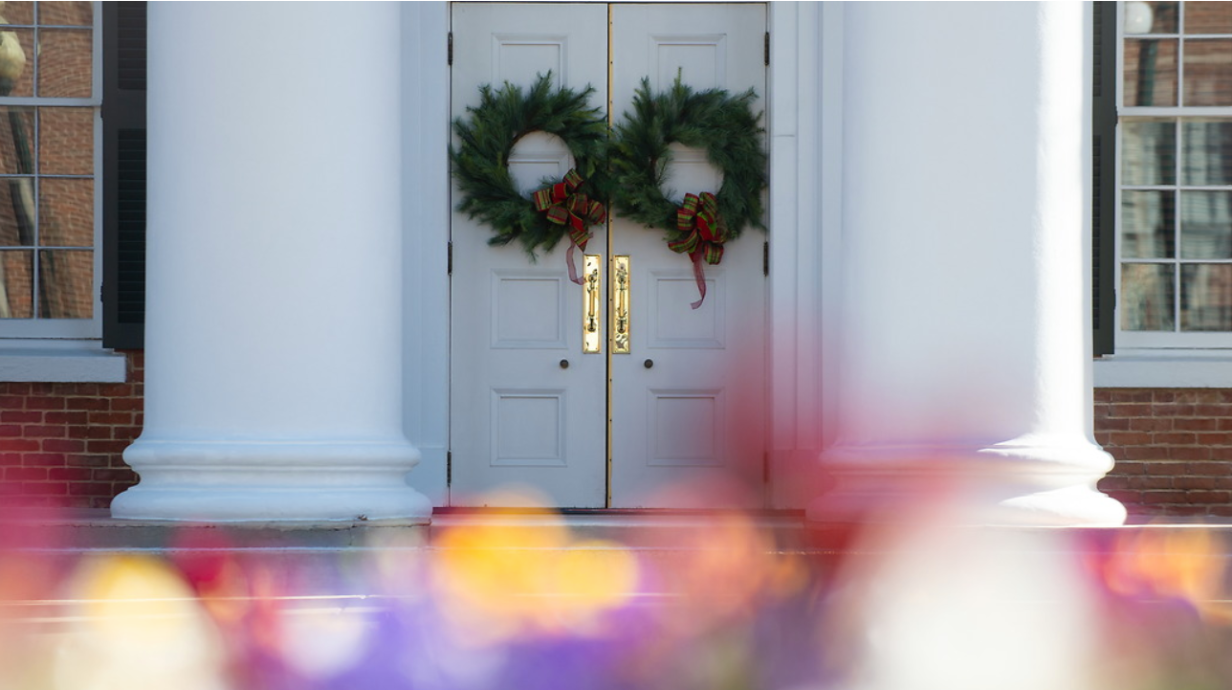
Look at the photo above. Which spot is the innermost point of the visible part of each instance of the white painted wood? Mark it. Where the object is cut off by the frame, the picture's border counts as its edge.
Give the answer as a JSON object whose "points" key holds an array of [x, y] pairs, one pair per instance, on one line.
{"points": [[805, 200], [273, 349], [425, 222], [517, 416], [696, 418], [698, 414]]}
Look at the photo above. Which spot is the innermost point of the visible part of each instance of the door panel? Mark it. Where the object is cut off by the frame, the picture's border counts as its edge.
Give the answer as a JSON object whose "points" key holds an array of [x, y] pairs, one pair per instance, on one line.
{"points": [[517, 415], [695, 418], [687, 403]]}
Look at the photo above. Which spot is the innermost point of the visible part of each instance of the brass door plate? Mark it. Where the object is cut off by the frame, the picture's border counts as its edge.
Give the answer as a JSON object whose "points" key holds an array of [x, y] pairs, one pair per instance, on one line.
{"points": [[592, 314], [620, 306]]}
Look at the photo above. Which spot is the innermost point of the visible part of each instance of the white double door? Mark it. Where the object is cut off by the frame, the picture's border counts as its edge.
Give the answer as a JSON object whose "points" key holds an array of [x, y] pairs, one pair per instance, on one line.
{"points": [[679, 420]]}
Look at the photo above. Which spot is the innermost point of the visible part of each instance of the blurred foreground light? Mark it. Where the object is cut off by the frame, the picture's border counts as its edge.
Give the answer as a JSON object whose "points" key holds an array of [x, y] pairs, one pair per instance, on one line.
{"points": [[135, 624], [501, 580], [936, 606], [324, 642], [1184, 562]]}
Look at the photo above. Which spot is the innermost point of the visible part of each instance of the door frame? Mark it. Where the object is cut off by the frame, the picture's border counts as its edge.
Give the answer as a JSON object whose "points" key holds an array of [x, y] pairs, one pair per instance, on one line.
{"points": [[804, 131]]}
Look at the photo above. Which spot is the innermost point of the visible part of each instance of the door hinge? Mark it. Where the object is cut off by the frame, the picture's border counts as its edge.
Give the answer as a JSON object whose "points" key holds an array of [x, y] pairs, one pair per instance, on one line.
{"points": [[450, 49], [449, 260], [765, 258], [767, 49], [448, 468]]}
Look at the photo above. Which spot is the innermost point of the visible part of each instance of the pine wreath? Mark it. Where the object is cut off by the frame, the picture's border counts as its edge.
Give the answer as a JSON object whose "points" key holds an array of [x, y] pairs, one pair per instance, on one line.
{"points": [[723, 125], [480, 163]]}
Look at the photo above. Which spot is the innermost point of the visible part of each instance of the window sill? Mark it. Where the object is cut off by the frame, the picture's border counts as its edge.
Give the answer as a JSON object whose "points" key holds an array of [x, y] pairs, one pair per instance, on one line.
{"points": [[1165, 369], [61, 362]]}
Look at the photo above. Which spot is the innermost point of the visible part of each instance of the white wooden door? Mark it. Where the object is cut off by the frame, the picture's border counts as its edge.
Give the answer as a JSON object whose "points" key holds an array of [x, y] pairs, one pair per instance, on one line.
{"points": [[527, 407], [688, 401]]}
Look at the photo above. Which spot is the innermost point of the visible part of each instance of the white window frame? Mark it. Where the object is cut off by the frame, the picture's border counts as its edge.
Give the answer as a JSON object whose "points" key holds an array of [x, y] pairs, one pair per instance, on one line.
{"points": [[1147, 342], [1153, 359], [72, 328], [66, 350]]}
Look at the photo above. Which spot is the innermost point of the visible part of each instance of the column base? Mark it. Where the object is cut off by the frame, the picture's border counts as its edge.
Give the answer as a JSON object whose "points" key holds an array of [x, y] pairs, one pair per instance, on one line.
{"points": [[202, 481], [1020, 483]]}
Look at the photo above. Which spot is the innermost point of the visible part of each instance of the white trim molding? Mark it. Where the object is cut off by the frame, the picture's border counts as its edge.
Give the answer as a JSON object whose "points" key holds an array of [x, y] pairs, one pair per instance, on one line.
{"points": [[67, 361], [1165, 369]]}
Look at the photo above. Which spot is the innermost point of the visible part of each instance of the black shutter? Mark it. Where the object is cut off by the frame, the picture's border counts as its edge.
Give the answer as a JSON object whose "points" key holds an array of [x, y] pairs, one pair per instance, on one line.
{"points": [[1103, 187], [123, 183]]}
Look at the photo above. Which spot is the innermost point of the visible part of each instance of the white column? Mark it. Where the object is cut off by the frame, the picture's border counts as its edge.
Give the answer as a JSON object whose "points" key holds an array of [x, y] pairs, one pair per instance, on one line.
{"points": [[966, 357], [273, 336]]}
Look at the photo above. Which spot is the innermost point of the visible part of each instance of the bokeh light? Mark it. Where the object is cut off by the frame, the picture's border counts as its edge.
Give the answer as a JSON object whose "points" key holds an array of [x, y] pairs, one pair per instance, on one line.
{"points": [[918, 600]]}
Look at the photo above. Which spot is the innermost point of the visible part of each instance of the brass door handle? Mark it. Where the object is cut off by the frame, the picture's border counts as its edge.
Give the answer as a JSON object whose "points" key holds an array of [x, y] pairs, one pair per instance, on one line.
{"points": [[621, 315], [592, 326]]}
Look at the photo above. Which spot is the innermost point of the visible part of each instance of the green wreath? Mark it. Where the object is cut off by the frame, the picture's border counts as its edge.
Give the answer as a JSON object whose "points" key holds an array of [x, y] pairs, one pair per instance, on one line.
{"points": [[489, 192], [723, 125]]}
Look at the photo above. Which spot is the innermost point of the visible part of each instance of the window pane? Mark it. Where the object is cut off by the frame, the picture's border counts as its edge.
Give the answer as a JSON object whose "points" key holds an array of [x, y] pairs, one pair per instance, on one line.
{"points": [[1150, 72], [17, 212], [16, 285], [1148, 152], [66, 283], [18, 12], [16, 141], [1150, 17], [65, 13], [1147, 225], [66, 141], [1208, 18], [1147, 294], [66, 213], [1208, 72], [1206, 297], [1206, 225], [1206, 157], [17, 68], [65, 63]]}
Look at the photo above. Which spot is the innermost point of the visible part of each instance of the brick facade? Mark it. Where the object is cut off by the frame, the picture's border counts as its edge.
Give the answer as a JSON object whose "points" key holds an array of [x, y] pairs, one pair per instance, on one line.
{"points": [[61, 443], [1173, 449]]}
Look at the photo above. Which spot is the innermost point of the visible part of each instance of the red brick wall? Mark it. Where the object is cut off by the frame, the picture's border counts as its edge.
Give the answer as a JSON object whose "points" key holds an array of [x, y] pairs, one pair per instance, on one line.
{"points": [[61, 443], [1173, 449]]}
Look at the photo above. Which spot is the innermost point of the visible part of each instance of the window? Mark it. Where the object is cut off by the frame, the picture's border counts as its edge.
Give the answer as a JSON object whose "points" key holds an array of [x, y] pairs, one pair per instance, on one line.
{"points": [[72, 173], [72, 189], [1173, 172], [49, 124]]}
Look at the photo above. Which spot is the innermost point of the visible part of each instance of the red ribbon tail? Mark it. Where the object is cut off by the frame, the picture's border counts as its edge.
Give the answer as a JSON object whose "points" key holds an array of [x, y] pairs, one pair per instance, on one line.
{"points": [[573, 275], [699, 273]]}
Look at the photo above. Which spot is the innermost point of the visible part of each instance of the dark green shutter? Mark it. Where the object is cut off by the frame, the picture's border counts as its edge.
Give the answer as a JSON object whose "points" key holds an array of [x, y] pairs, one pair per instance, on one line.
{"points": [[123, 183], [1103, 187]]}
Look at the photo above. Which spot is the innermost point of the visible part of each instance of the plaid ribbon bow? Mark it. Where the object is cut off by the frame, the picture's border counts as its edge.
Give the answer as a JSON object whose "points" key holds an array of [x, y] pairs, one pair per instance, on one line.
{"points": [[698, 216], [576, 211]]}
